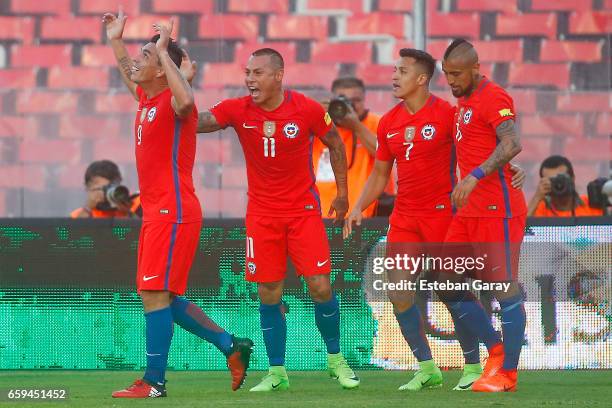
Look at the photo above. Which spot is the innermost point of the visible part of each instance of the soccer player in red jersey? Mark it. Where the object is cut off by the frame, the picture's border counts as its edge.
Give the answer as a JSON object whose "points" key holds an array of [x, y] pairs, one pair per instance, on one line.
{"points": [[165, 140], [276, 128], [491, 216], [417, 134]]}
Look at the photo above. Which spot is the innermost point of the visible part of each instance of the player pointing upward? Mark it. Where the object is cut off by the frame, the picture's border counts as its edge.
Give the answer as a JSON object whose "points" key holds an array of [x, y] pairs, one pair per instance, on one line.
{"points": [[165, 139], [276, 128]]}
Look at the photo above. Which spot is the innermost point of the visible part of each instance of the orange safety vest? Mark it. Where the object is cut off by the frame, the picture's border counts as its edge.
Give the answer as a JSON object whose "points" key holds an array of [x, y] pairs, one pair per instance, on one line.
{"points": [[95, 213], [582, 210]]}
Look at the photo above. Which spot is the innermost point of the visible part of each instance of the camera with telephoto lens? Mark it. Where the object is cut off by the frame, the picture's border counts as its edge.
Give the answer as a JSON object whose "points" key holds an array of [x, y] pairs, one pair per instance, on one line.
{"points": [[114, 195], [561, 185], [600, 193], [339, 107]]}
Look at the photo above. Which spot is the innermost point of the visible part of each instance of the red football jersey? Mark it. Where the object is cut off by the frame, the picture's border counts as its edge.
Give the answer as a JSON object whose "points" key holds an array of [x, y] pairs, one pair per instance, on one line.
{"points": [[476, 120], [422, 145], [165, 153], [277, 148]]}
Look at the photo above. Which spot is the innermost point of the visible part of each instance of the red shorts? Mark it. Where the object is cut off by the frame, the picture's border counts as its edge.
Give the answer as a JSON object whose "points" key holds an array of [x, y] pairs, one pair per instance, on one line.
{"points": [[165, 255], [498, 240], [270, 239], [418, 229]]}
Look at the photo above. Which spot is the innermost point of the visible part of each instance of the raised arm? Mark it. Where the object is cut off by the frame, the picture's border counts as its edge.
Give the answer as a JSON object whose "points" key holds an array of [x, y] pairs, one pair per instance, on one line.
{"points": [[114, 32], [373, 188], [182, 94], [337, 157], [509, 146], [366, 136]]}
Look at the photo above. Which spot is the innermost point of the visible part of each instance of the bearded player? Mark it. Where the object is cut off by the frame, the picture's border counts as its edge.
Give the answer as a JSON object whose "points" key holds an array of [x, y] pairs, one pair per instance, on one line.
{"points": [[276, 128], [491, 216], [165, 140], [417, 134]]}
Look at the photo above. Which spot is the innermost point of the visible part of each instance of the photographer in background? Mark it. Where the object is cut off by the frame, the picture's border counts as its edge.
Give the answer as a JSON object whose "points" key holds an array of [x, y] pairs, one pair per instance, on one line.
{"points": [[556, 195], [106, 197], [357, 127]]}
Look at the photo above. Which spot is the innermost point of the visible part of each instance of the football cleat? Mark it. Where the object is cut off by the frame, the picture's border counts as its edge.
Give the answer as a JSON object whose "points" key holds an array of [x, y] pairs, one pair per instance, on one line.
{"points": [[141, 389], [275, 380], [238, 360], [502, 381], [340, 370]]}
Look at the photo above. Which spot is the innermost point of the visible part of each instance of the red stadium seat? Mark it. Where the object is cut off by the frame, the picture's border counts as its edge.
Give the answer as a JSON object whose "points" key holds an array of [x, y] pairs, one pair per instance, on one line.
{"points": [[380, 101], [215, 150], [556, 125], [120, 149], [310, 75], [542, 25], [464, 25], [570, 51], [21, 78], [227, 26], [41, 55], [539, 75], [375, 75], [141, 27], [116, 103], [88, 126], [131, 8], [585, 172], [233, 176], [102, 55], [584, 102], [71, 175], [50, 151], [183, 6], [18, 126], [524, 100], [78, 78], [206, 99], [355, 7], [296, 27], [487, 5], [223, 74], [17, 28], [535, 149], [590, 23], [260, 6], [244, 50], [30, 176], [499, 51], [347, 52], [46, 102], [588, 149], [607, 5], [57, 7], [560, 5], [379, 23], [405, 6], [72, 28], [604, 124]]}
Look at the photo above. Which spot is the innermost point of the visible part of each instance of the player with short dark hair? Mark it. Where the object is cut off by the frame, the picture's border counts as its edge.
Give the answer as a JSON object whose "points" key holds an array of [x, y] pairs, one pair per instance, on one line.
{"points": [[491, 216], [165, 139], [276, 128]]}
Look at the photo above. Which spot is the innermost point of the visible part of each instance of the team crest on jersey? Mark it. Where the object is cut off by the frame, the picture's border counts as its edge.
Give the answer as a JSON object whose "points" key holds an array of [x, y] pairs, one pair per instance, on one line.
{"points": [[143, 114], [409, 133], [291, 130], [252, 267], [269, 128], [151, 114], [428, 132], [467, 117]]}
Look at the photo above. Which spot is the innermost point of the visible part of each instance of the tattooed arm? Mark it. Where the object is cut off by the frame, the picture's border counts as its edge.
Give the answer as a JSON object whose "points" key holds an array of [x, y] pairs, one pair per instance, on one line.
{"points": [[207, 123], [509, 146], [337, 157], [114, 32]]}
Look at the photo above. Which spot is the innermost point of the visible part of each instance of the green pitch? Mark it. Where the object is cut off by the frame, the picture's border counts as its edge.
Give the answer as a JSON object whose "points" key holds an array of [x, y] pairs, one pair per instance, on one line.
{"points": [[314, 390]]}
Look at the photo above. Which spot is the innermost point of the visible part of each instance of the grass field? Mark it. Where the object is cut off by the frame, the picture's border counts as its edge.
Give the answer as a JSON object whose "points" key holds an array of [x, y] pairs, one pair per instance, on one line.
{"points": [[312, 389]]}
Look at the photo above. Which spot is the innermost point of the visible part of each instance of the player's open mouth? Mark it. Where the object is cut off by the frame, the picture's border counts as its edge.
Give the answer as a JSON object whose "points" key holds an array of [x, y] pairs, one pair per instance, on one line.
{"points": [[254, 92], [395, 87], [135, 68]]}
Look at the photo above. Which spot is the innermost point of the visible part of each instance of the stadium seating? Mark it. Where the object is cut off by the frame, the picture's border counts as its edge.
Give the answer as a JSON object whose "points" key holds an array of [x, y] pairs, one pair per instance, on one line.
{"points": [[58, 74]]}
